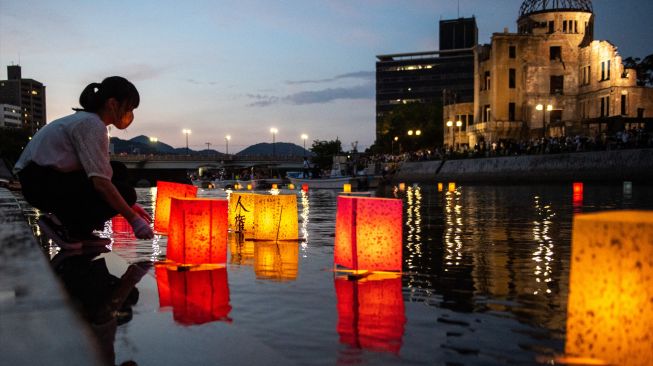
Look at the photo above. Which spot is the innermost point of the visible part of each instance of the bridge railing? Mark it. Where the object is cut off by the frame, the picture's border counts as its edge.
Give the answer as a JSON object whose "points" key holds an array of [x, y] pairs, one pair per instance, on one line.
{"points": [[212, 158]]}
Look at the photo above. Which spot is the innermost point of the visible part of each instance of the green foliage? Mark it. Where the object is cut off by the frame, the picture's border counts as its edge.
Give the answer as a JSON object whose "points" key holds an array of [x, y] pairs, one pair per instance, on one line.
{"points": [[324, 152], [12, 143], [643, 67], [412, 116]]}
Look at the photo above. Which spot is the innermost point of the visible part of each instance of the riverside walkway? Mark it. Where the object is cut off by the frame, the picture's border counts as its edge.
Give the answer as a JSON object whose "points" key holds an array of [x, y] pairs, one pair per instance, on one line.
{"points": [[37, 323]]}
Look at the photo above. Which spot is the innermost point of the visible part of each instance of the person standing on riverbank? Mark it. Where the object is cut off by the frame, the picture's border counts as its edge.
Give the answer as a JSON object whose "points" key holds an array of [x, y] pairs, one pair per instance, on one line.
{"points": [[65, 170]]}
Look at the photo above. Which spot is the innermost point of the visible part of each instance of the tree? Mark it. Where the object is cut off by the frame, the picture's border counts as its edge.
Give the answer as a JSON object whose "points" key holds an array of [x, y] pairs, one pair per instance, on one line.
{"points": [[324, 152], [412, 116], [643, 68]]}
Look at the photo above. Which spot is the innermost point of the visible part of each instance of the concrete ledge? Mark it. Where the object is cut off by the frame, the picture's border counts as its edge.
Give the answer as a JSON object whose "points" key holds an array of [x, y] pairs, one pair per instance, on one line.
{"points": [[37, 323], [601, 166]]}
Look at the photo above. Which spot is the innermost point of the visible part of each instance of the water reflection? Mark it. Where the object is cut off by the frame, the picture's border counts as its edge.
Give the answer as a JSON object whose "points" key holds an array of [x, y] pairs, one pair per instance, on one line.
{"points": [[197, 296], [452, 236], [104, 300], [371, 313], [241, 249], [543, 254], [305, 215], [276, 260]]}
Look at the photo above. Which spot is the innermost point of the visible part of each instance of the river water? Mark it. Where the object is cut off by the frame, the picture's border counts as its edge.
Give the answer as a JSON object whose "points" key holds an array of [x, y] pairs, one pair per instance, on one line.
{"points": [[485, 281]]}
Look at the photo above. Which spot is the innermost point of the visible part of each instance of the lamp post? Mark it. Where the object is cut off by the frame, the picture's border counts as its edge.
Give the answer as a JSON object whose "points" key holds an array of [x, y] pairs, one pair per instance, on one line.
{"points": [[549, 108], [450, 125], [459, 124], [186, 132], [154, 140], [304, 137], [273, 131], [226, 142]]}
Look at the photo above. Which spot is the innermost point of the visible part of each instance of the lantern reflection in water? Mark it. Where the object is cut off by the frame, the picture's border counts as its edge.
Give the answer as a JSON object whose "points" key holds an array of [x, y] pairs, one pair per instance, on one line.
{"points": [[371, 313], [163, 286], [414, 226], [543, 254], [276, 260], [306, 211], [453, 243], [242, 250], [241, 212], [164, 192], [275, 217], [198, 231], [368, 234], [196, 296], [610, 312]]}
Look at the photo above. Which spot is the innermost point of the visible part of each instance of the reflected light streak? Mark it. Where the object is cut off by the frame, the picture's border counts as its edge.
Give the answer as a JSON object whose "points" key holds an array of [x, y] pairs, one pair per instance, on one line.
{"points": [[304, 215], [544, 252], [454, 227], [414, 225]]}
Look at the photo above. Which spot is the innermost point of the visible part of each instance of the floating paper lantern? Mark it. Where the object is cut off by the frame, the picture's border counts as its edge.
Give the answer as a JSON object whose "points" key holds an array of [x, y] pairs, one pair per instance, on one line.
{"points": [[402, 186], [198, 231], [241, 212], [578, 188], [276, 260], [368, 233], [275, 217], [274, 186], [199, 296], [291, 186], [164, 192], [452, 187], [346, 188], [242, 250], [249, 187], [371, 313], [440, 187], [610, 307], [305, 187], [121, 230], [163, 286]]}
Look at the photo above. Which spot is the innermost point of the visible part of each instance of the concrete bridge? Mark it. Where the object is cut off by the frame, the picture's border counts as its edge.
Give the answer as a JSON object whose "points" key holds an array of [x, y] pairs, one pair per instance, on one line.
{"points": [[148, 169]]}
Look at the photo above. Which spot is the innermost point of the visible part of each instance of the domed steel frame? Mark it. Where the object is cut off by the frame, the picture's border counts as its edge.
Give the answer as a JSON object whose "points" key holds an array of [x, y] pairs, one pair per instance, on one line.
{"points": [[539, 6]]}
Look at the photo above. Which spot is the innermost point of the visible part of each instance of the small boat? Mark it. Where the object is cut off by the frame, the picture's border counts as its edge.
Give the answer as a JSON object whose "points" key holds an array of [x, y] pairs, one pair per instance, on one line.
{"points": [[324, 183], [263, 183]]}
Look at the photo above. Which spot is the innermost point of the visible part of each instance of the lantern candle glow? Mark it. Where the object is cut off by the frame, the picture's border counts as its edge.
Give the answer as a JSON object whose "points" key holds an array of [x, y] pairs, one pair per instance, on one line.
{"points": [[610, 312], [164, 192], [198, 231], [368, 233]]}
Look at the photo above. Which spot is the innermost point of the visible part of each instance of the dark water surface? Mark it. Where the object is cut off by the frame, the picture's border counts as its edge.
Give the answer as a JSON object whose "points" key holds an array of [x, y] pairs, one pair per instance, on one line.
{"points": [[485, 282]]}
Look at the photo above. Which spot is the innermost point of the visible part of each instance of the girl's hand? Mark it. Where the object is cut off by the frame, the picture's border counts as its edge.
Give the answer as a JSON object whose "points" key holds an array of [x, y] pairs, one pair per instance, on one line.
{"points": [[140, 211]]}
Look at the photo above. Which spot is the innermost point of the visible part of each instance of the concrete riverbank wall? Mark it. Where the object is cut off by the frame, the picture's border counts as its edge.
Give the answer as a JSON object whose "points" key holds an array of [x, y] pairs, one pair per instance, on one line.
{"points": [[597, 166]]}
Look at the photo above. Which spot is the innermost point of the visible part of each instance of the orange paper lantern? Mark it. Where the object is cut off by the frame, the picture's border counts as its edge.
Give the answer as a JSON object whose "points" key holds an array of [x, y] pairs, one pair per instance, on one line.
{"points": [[275, 217], [610, 312], [440, 187], [198, 231], [452, 187], [163, 286], [276, 260], [164, 192], [241, 212], [371, 313], [578, 188], [199, 296], [291, 186], [368, 233]]}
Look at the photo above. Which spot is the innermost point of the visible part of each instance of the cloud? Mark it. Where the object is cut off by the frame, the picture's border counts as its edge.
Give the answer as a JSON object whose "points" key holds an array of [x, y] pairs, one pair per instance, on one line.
{"points": [[366, 75], [140, 72], [364, 91], [197, 82]]}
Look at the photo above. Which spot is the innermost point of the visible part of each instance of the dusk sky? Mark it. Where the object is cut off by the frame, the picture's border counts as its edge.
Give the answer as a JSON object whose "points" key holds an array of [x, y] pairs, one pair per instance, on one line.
{"points": [[242, 67]]}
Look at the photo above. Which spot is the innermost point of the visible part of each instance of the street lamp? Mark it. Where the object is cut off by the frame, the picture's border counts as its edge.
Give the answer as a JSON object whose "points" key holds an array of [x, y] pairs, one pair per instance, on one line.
{"points": [[186, 132], [418, 132], [153, 139], [226, 142], [304, 137], [549, 108], [459, 125], [273, 131], [450, 125], [410, 132], [392, 145]]}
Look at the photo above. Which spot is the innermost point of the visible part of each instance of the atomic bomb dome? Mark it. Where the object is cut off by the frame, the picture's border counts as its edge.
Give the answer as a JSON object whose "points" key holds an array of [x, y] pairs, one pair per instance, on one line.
{"points": [[529, 7]]}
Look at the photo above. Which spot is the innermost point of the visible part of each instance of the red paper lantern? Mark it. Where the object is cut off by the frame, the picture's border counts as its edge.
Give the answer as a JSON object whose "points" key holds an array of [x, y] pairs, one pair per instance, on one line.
{"points": [[578, 188], [121, 230], [368, 233], [371, 313], [164, 192], [200, 296], [198, 231]]}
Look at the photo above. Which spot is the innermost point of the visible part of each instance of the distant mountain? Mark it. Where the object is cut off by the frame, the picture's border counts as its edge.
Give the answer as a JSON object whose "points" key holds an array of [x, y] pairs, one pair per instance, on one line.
{"points": [[280, 149]]}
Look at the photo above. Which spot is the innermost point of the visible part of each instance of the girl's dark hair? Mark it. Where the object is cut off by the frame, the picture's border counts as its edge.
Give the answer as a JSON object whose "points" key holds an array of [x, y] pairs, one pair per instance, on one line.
{"points": [[95, 95]]}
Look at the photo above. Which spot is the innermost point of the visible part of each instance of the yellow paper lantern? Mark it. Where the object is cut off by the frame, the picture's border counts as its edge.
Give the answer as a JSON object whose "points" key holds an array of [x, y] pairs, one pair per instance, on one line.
{"points": [[440, 187], [275, 217], [402, 186], [276, 260], [249, 187], [241, 212], [452, 187], [610, 307], [346, 188], [291, 186], [274, 186]]}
